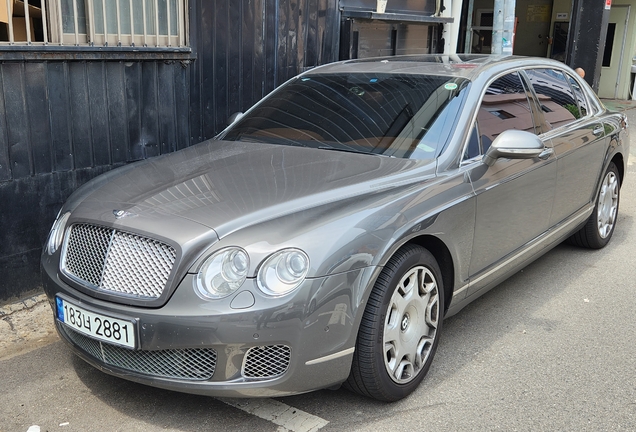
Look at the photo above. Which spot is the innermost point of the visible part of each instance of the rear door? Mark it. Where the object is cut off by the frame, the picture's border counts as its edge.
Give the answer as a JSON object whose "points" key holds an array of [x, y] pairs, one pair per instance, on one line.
{"points": [[514, 196], [578, 139]]}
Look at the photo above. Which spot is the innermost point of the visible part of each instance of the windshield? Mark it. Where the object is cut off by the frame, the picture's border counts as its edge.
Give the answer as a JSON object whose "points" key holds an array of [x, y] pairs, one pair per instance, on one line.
{"points": [[405, 116]]}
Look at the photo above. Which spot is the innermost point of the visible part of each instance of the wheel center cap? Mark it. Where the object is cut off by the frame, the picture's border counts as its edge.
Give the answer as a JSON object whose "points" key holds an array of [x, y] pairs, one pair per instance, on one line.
{"points": [[405, 322]]}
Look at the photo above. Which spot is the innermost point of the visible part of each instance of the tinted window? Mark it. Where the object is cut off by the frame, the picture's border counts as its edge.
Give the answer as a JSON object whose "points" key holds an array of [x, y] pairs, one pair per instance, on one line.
{"points": [[504, 106], [389, 114], [580, 96], [555, 96]]}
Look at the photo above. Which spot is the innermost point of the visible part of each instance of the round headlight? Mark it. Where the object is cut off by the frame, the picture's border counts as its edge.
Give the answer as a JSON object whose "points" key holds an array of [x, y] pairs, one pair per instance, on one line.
{"points": [[222, 274], [57, 233], [283, 272]]}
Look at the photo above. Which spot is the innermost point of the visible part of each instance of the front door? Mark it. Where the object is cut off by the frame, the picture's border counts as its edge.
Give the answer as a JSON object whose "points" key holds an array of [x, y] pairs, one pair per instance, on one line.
{"points": [[612, 70], [514, 196]]}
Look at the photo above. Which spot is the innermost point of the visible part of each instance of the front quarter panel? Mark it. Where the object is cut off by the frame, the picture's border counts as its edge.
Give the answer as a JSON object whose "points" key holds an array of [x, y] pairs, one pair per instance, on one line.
{"points": [[365, 232]]}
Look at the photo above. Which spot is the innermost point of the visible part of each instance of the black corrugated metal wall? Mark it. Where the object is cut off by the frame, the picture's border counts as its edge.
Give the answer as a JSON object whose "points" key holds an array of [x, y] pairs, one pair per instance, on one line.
{"points": [[64, 120]]}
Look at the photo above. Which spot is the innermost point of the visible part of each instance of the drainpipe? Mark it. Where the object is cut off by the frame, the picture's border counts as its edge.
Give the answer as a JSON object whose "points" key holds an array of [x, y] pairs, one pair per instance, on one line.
{"points": [[508, 27], [497, 27], [503, 26]]}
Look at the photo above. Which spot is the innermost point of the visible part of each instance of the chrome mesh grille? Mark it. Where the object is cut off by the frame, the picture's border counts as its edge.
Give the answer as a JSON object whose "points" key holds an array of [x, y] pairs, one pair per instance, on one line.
{"points": [[265, 362], [86, 252], [196, 364], [116, 261]]}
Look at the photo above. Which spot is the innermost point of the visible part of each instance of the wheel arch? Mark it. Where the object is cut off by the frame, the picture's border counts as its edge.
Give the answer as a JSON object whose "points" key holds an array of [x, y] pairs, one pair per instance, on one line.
{"points": [[444, 259], [620, 165]]}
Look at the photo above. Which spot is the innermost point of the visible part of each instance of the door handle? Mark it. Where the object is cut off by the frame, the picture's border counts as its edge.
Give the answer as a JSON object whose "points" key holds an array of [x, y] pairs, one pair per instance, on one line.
{"points": [[598, 130]]}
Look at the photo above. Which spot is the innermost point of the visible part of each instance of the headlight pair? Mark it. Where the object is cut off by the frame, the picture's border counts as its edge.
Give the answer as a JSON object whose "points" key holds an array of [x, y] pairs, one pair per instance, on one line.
{"points": [[225, 271], [57, 233]]}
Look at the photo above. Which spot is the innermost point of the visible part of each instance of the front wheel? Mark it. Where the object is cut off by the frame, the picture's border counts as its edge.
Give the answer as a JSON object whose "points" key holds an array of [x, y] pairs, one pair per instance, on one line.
{"points": [[599, 228], [400, 327]]}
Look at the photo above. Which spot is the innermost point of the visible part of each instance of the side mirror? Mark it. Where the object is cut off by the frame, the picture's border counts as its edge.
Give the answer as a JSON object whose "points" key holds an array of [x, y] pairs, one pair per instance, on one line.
{"points": [[234, 117], [514, 144]]}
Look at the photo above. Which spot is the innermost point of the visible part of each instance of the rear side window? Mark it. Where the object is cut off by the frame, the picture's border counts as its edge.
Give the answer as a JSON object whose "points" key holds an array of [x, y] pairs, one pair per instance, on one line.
{"points": [[580, 96], [556, 97], [505, 105]]}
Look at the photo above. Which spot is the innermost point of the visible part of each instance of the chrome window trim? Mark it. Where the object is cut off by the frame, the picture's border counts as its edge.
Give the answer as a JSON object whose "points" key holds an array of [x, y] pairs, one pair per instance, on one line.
{"points": [[492, 79]]}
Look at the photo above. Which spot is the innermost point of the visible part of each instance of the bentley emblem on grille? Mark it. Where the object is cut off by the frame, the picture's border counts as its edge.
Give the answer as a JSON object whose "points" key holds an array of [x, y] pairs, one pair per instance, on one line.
{"points": [[122, 214]]}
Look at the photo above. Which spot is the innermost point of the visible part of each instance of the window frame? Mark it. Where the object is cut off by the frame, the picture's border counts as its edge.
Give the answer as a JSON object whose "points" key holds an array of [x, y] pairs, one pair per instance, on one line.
{"points": [[532, 101], [559, 129], [55, 40]]}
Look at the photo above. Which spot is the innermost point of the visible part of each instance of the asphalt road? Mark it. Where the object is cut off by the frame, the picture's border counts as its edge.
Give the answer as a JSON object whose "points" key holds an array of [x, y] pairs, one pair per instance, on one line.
{"points": [[552, 348]]}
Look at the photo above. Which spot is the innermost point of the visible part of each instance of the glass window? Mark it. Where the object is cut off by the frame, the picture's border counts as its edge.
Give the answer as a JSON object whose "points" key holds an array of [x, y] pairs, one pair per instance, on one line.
{"points": [[405, 116], [504, 106], [580, 96], [555, 95], [148, 23]]}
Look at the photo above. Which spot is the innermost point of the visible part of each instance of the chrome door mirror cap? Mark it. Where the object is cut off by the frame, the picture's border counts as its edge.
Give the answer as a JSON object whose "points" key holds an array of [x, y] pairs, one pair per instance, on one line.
{"points": [[514, 144]]}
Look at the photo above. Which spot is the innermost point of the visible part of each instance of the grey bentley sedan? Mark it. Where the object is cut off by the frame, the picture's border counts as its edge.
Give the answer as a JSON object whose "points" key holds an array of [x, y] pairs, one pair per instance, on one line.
{"points": [[322, 237]]}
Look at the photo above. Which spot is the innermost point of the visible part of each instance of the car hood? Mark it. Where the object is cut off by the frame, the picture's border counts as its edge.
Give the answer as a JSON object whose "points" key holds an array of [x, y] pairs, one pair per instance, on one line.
{"points": [[226, 186]]}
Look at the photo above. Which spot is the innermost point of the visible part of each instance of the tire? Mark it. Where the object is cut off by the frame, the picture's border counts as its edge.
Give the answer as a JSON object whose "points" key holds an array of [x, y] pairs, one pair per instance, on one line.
{"points": [[598, 229], [400, 328]]}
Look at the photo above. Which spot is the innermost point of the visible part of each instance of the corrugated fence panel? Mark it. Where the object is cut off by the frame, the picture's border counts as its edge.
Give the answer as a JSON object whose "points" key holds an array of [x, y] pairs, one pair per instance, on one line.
{"points": [[149, 110], [222, 41], [182, 92], [16, 119], [60, 114], [248, 29], [256, 21], [132, 84], [5, 168], [235, 74], [200, 16], [271, 45], [311, 41], [246, 48], [117, 114], [66, 115], [36, 104], [80, 115], [166, 108], [100, 134]]}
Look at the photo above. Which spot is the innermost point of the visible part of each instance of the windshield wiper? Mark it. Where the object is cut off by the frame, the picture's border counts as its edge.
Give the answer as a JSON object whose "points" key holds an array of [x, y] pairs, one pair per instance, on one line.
{"points": [[350, 150]]}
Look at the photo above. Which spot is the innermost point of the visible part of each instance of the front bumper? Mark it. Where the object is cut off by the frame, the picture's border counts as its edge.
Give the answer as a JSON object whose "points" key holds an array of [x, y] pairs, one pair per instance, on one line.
{"points": [[317, 324]]}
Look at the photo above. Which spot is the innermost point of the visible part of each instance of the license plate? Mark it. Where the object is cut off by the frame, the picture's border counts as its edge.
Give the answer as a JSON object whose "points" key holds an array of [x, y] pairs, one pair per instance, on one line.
{"points": [[96, 325]]}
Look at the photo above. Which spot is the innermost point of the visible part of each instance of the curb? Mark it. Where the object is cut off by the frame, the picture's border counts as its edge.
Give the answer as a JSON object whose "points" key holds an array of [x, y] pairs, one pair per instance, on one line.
{"points": [[25, 303]]}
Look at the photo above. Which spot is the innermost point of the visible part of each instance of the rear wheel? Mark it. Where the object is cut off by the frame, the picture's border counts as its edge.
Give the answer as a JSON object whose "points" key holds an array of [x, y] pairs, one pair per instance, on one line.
{"points": [[400, 327], [599, 228]]}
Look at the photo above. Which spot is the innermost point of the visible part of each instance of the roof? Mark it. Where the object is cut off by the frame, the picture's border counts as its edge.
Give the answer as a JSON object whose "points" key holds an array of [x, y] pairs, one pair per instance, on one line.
{"points": [[454, 65]]}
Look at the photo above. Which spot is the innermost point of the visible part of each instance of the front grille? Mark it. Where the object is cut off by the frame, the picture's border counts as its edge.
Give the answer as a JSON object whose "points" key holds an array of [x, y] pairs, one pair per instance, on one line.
{"points": [[116, 261], [196, 364], [266, 362]]}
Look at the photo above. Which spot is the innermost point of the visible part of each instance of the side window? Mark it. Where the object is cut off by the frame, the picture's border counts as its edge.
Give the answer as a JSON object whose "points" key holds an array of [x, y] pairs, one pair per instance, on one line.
{"points": [[580, 96], [556, 97], [473, 149], [504, 106]]}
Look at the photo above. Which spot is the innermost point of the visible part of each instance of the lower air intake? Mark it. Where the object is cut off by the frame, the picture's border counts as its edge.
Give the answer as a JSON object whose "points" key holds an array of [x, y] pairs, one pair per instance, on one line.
{"points": [[196, 364], [266, 362]]}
